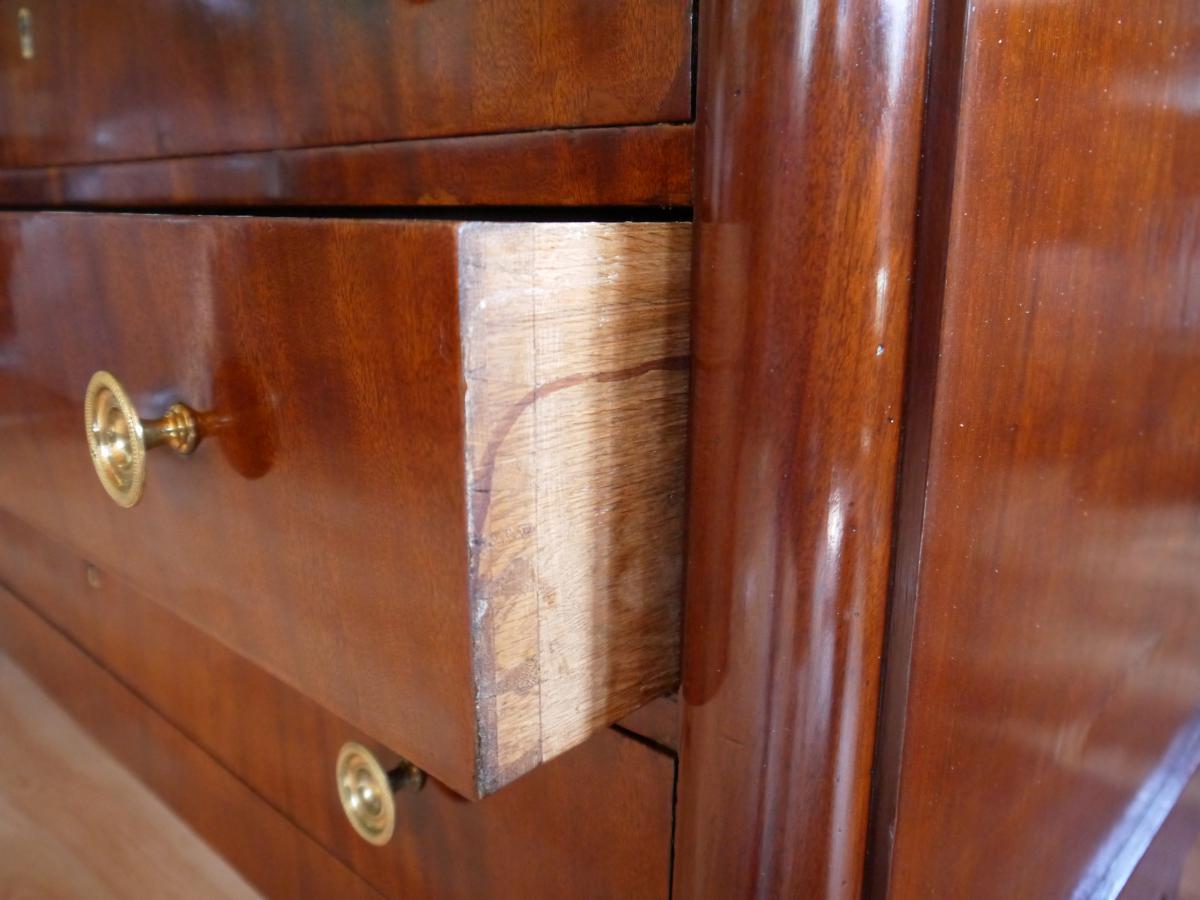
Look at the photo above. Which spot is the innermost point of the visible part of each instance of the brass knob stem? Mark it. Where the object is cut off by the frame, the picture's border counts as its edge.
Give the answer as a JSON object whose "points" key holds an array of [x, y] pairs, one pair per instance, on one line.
{"points": [[179, 429], [406, 777], [118, 440]]}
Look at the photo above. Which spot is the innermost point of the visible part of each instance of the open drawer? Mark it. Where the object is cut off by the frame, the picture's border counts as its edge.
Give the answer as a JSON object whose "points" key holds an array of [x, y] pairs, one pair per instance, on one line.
{"points": [[439, 482]]}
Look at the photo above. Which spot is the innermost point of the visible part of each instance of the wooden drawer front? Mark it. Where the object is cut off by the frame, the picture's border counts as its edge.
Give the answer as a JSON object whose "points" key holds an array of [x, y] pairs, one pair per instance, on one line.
{"points": [[270, 852], [596, 822], [442, 488], [167, 79]]}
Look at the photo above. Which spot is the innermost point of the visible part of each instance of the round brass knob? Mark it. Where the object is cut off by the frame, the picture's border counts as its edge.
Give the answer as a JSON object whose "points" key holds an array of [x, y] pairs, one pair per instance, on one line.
{"points": [[368, 792], [118, 439]]}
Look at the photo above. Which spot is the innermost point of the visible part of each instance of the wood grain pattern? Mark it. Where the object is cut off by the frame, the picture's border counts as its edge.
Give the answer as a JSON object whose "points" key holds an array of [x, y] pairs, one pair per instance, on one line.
{"points": [[647, 165], [1050, 715], [147, 81], [575, 349], [595, 822], [74, 823], [939, 146], [808, 124], [329, 358], [326, 353], [271, 853]]}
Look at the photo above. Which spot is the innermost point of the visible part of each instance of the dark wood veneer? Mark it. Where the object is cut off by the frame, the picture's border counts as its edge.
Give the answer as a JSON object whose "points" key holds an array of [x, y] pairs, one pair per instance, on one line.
{"points": [[1043, 703], [647, 165], [314, 529], [595, 822], [131, 80], [1029, 205], [808, 126], [359, 381]]}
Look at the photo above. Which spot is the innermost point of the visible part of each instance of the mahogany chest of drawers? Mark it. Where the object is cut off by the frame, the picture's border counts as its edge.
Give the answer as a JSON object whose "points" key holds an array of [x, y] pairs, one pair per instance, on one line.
{"points": [[638, 448]]}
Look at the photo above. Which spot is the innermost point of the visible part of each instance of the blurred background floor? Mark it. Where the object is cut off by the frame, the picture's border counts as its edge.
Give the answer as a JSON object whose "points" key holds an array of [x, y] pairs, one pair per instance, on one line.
{"points": [[75, 823]]}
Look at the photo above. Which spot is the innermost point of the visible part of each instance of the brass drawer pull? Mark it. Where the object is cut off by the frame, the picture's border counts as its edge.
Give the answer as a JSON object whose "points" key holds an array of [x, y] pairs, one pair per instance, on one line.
{"points": [[368, 792], [118, 439]]}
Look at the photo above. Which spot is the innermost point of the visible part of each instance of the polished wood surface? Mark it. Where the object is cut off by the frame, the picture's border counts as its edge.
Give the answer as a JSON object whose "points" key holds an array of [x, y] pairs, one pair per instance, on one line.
{"points": [[256, 840], [129, 80], [938, 145], [595, 822], [808, 125], [657, 721], [348, 524], [646, 165], [1044, 706], [74, 823], [321, 529], [575, 351]]}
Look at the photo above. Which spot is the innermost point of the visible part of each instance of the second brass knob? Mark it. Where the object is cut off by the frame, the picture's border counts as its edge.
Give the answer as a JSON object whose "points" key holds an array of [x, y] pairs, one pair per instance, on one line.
{"points": [[367, 791]]}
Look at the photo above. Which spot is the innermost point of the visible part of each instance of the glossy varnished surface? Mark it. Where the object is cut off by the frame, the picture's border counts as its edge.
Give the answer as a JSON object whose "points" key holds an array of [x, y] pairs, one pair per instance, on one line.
{"points": [[648, 165], [320, 528], [130, 80], [359, 383], [1053, 707], [595, 822], [657, 721], [808, 127]]}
